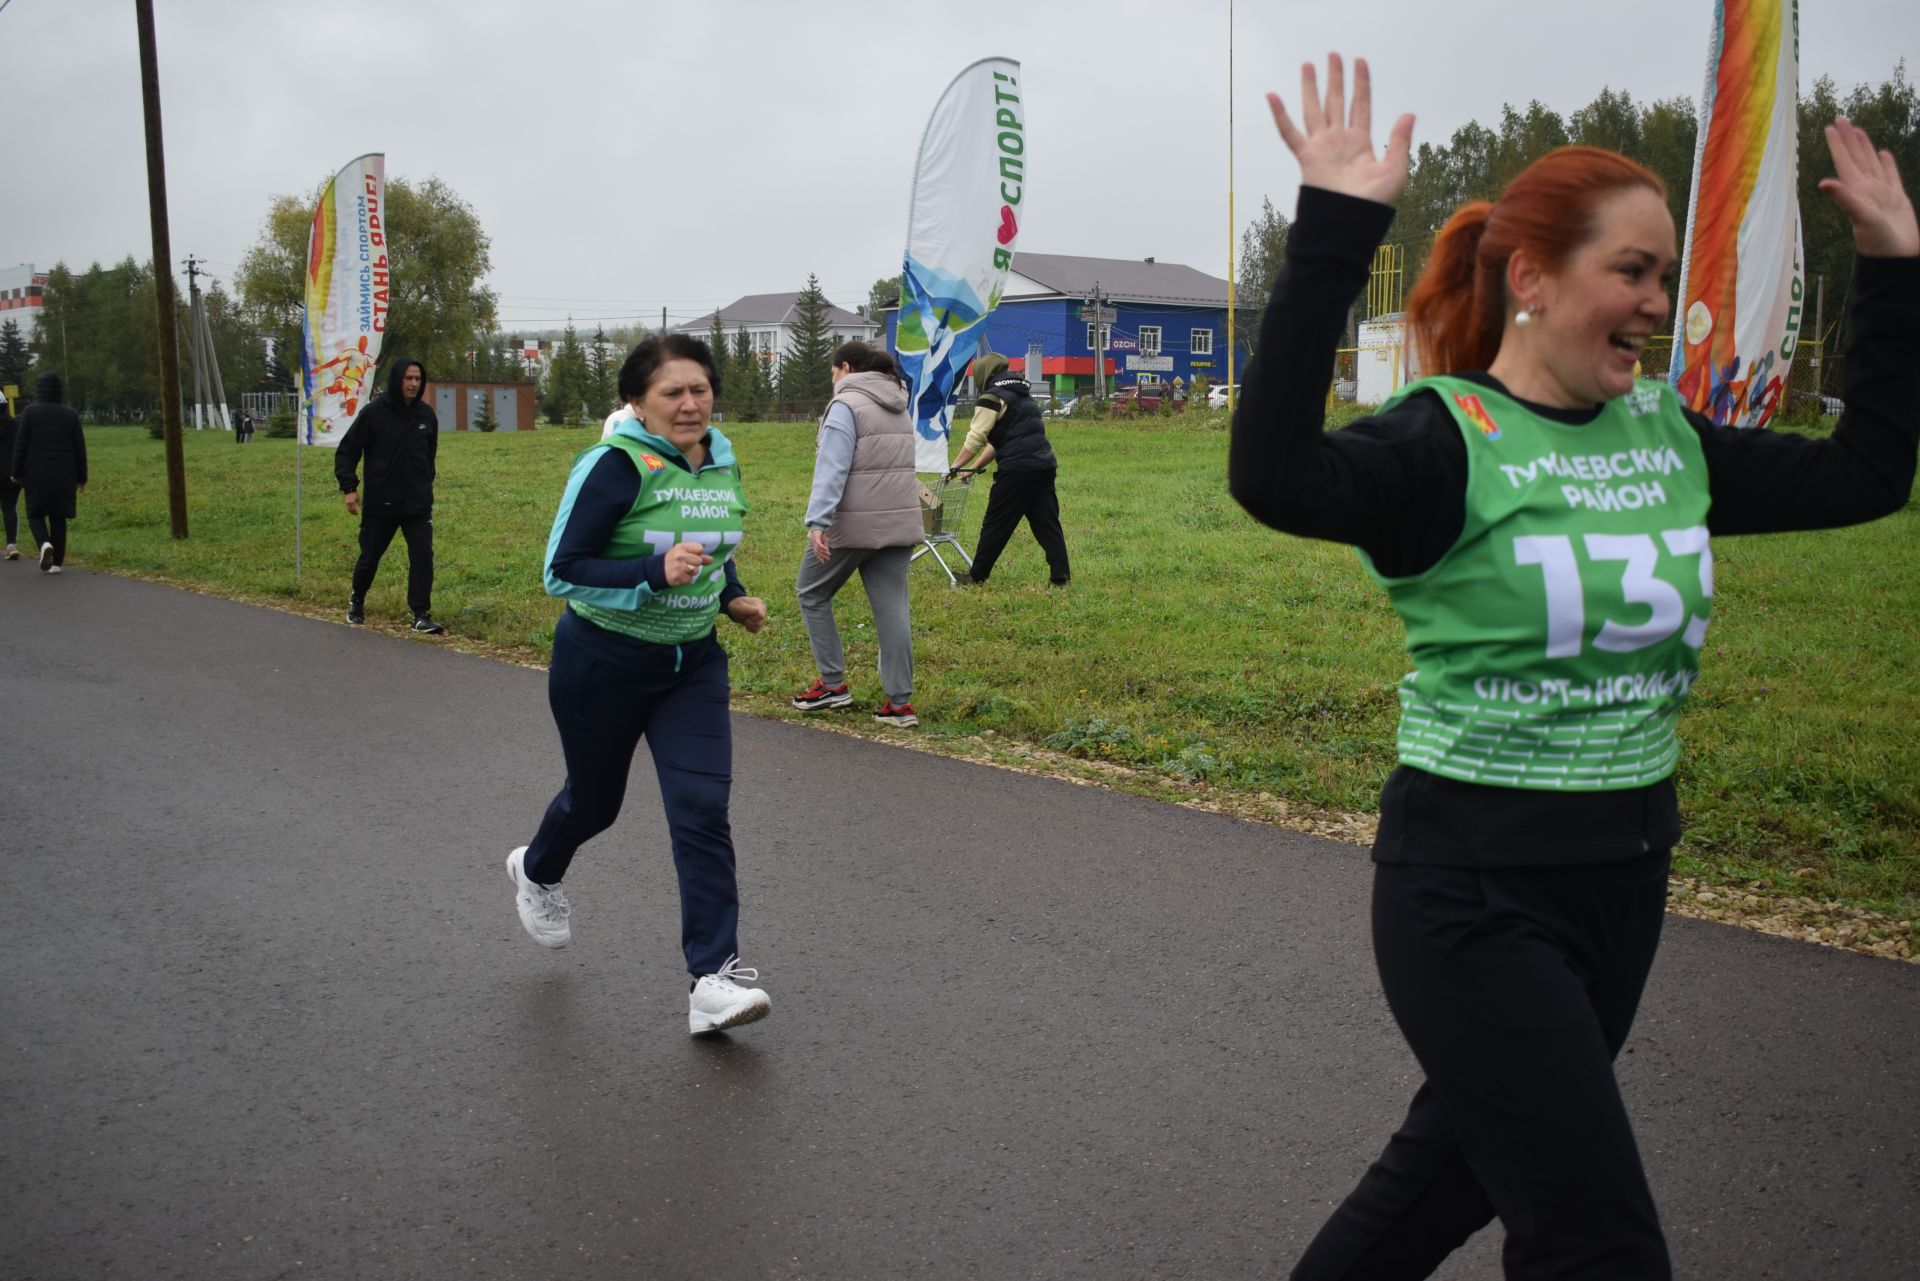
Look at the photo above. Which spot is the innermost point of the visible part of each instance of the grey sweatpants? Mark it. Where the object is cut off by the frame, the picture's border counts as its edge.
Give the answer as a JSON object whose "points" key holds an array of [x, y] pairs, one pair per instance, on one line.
{"points": [[883, 572]]}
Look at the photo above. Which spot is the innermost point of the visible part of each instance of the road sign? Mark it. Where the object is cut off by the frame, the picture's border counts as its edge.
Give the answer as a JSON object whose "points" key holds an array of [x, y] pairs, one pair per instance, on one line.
{"points": [[1098, 315], [1150, 364], [1123, 344]]}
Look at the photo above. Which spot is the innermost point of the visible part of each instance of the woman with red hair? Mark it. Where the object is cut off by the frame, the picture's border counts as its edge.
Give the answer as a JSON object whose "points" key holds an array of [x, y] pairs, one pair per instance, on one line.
{"points": [[1541, 520]]}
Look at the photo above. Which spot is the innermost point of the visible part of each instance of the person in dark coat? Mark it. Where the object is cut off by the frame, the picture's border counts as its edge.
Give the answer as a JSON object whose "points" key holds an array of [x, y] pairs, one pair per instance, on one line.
{"points": [[243, 428], [50, 463], [1007, 425], [399, 436], [9, 492]]}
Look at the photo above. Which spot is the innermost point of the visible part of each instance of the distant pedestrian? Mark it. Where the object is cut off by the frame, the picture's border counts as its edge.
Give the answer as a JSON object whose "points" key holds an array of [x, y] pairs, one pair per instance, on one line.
{"points": [[864, 514], [9, 491], [642, 552], [1009, 428], [399, 436], [243, 427], [50, 463]]}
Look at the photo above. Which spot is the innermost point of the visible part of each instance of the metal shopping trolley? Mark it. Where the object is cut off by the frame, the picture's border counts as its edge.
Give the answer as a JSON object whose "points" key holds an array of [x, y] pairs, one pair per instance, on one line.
{"points": [[942, 520]]}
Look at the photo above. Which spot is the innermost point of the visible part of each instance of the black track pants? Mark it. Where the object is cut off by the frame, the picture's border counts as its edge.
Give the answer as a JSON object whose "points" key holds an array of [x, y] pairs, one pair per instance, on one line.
{"points": [[1017, 494], [1516, 988], [376, 534]]}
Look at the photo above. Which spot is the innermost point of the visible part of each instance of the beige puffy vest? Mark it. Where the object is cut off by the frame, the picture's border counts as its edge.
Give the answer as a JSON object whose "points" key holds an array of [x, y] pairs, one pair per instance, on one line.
{"points": [[881, 504]]}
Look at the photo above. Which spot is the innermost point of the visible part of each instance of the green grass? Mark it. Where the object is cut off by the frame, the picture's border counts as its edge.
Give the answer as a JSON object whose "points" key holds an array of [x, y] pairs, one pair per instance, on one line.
{"points": [[1193, 644]]}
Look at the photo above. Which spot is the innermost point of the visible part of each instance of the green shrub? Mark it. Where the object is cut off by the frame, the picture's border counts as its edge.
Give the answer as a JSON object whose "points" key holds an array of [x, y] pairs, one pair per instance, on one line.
{"points": [[284, 425]]}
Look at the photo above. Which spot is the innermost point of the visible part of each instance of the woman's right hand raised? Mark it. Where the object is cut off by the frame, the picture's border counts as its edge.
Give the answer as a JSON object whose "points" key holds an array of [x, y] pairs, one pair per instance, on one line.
{"points": [[683, 563], [1334, 145]]}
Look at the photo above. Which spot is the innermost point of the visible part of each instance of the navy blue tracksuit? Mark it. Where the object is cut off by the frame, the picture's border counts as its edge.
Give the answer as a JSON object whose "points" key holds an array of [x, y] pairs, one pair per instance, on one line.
{"points": [[607, 692]]}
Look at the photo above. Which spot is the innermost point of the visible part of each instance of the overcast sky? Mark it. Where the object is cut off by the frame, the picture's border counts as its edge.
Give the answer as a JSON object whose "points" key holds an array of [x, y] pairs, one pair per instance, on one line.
{"points": [[626, 155]]}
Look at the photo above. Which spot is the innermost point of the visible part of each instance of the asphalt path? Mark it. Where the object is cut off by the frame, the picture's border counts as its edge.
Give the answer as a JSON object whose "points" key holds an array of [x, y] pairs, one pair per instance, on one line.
{"points": [[267, 1010]]}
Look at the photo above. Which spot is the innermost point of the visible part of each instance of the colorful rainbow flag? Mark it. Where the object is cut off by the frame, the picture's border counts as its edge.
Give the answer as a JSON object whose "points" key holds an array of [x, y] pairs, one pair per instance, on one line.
{"points": [[347, 294], [1742, 281]]}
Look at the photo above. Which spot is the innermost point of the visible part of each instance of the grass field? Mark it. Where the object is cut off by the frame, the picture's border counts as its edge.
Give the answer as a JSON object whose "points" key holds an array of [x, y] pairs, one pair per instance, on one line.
{"points": [[1207, 654]]}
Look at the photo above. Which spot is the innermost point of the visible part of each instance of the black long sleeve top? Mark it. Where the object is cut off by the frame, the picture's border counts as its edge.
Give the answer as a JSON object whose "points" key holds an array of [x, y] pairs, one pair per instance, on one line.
{"points": [[1394, 485]]}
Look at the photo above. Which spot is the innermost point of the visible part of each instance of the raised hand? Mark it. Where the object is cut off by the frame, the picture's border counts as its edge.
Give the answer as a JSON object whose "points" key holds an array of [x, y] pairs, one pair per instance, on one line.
{"points": [[1334, 145], [1866, 186]]}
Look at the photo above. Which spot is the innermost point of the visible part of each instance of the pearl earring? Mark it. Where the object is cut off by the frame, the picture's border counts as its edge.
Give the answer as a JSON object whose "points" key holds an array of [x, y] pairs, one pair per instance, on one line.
{"points": [[1522, 318]]}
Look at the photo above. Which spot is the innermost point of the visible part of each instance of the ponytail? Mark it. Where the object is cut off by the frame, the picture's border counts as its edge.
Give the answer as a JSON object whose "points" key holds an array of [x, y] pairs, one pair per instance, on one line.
{"points": [[1454, 312]]}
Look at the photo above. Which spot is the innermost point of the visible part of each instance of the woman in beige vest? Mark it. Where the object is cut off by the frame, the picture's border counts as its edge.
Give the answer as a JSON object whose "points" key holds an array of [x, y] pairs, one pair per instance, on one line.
{"points": [[864, 514]]}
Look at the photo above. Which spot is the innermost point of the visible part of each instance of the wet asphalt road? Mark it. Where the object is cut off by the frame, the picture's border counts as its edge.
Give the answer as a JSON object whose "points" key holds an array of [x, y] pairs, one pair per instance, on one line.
{"points": [[268, 1011]]}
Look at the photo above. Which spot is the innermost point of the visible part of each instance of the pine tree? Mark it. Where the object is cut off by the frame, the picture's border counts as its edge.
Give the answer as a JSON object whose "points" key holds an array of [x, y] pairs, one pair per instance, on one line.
{"points": [[744, 378], [732, 379], [603, 370], [804, 371], [13, 355], [567, 378]]}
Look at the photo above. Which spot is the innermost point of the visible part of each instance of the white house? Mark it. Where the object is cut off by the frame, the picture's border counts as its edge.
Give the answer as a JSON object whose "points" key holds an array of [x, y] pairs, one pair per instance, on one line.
{"points": [[770, 319]]}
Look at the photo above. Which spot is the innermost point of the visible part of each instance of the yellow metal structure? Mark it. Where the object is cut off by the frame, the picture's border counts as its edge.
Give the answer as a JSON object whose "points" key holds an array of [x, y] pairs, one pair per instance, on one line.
{"points": [[1386, 285]]}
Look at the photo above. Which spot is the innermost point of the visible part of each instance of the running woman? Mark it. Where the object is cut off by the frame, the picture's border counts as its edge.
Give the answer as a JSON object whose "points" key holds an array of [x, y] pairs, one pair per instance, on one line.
{"points": [[642, 552]]}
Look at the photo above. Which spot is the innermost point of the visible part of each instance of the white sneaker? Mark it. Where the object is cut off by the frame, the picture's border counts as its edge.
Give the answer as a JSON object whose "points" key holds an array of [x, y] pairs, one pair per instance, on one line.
{"points": [[13, 551], [46, 556], [718, 1002], [543, 908], [53, 569]]}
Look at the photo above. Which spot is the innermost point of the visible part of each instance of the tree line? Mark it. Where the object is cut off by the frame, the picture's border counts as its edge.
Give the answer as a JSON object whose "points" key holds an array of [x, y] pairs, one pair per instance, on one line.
{"points": [[1478, 161]]}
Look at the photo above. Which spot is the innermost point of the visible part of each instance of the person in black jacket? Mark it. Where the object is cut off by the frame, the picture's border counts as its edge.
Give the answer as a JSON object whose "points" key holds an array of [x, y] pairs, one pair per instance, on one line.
{"points": [[1008, 426], [50, 463], [1516, 915], [9, 492], [399, 436]]}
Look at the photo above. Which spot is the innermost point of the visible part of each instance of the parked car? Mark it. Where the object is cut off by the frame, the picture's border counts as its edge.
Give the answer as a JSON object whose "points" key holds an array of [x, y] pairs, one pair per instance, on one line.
{"points": [[1144, 398], [1061, 408], [1217, 396]]}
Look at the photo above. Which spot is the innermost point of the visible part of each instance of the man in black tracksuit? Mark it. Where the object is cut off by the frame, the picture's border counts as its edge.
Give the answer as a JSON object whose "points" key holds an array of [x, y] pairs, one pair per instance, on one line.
{"points": [[1008, 428], [400, 437]]}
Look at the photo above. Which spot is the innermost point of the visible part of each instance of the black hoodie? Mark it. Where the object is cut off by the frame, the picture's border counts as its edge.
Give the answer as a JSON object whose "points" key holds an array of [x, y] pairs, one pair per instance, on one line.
{"points": [[399, 441], [49, 451]]}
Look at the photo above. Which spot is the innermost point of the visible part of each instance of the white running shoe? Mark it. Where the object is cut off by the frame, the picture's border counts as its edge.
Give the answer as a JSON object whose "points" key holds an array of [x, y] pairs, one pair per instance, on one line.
{"points": [[13, 551], [53, 569], [543, 908], [46, 557], [718, 1002]]}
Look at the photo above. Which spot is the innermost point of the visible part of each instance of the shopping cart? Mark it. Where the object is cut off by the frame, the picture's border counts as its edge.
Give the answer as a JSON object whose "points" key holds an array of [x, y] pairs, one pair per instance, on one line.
{"points": [[942, 521]]}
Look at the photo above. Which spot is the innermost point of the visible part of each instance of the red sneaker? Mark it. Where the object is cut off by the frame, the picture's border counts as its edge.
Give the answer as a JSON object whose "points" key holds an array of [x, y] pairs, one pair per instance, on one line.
{"points": [[901, 714], [820, 694]]}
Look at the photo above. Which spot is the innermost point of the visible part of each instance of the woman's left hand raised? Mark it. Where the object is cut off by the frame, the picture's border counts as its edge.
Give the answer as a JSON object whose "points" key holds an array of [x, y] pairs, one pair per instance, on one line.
{"points": [[1866, 186], [748, 611]]}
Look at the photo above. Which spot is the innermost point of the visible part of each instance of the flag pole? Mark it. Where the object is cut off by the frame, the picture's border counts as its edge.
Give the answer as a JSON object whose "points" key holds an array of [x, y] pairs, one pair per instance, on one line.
{"points": [[1233, 291]]}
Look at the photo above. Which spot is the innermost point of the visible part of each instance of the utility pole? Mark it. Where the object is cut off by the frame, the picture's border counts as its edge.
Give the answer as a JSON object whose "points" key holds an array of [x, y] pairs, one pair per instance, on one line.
{"points": [[162, 276], [213, 363], [1100, 330], [213, 388], [202, 384]]}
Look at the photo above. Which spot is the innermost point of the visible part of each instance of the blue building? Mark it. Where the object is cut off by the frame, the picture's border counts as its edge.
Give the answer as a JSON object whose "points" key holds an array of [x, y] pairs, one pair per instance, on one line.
{"points": [[1170, 321]]}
